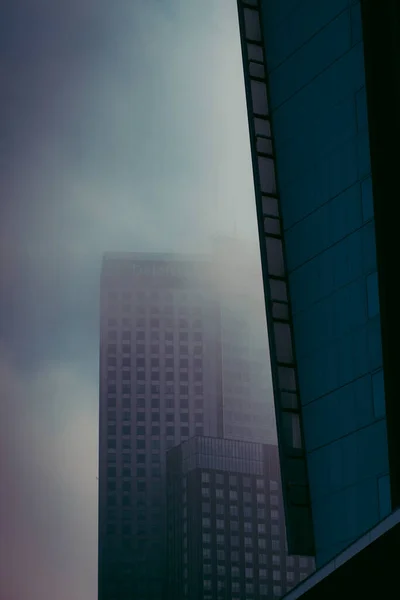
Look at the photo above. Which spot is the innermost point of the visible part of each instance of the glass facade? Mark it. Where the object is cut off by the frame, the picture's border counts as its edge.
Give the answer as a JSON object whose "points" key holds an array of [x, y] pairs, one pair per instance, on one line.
{"points": [[314, 192]]}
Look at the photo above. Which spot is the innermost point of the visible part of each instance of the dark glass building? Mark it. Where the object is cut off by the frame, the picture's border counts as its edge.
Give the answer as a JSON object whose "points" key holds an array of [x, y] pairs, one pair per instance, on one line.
{"points": [[323, 94], [225, 525]]}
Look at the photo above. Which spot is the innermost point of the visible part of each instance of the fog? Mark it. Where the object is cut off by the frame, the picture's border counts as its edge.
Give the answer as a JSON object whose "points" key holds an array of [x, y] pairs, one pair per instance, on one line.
{"points": [[124, 128]]}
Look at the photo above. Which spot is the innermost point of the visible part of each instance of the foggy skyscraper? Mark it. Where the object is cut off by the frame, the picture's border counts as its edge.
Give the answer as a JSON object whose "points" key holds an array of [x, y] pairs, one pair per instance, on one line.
{"points": [[163, 379], [159, 385]]}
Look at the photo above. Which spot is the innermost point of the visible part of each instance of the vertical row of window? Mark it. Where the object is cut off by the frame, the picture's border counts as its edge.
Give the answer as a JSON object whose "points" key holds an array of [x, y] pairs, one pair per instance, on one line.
{"points": [[275, 280]]}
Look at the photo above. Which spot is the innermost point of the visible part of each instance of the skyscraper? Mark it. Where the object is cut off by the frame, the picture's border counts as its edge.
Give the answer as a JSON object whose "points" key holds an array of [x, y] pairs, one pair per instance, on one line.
{"points": [[226, 533], [159, 384], [168, 324], [323, 96]]}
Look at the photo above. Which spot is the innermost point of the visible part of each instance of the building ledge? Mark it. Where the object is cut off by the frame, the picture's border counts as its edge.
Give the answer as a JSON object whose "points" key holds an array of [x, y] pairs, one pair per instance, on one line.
{"points": [[368, 566]]}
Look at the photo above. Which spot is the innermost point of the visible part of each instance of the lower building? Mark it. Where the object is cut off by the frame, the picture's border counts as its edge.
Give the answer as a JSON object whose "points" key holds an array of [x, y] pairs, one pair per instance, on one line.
{"points": [[225, 525]]}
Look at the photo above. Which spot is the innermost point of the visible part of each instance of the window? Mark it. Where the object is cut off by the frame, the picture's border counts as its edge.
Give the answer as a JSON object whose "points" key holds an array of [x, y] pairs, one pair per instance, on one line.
{"points": [[277, 590], [260, 498], [303, 562], [275, 530], [247, 496], [290, 576], [262, 543], [234, 511], [303, 576], [219, 493], [207, 569], [112, 348], [221, 555], [247, 526], [235, 586], [233, 495], [206, 551], [249, 588], [205, 491], [262, 573], [220, 538], [206, 508], [274, 500], [276, 559], [248, 541], [220, 524], [249, 573], [219, 509], [234, 556], [206, 538], [260, 484], [235, 571], [221, 570], [276, 575], [262, 559], [206, 522], [263, 589], [276, 545], [275, 515]]}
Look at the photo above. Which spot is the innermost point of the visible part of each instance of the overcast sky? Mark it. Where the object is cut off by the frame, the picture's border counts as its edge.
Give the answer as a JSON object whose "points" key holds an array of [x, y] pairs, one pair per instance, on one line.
{"points": [[123, 127]]}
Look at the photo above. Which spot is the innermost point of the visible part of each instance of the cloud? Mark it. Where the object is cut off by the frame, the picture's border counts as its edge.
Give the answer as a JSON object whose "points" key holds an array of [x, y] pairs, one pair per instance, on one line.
{"points": [[48, 497], [123, 128]]}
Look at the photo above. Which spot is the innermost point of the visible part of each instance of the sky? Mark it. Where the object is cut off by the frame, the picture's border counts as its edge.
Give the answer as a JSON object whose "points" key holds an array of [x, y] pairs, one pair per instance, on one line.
{"points": [[123, 128]]}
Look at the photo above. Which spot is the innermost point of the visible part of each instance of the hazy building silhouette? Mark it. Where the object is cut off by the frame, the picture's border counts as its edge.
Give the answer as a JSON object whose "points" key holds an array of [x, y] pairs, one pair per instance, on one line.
{"points": [[323, 94], [226, 533], [158, 386], [163, 379]]}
